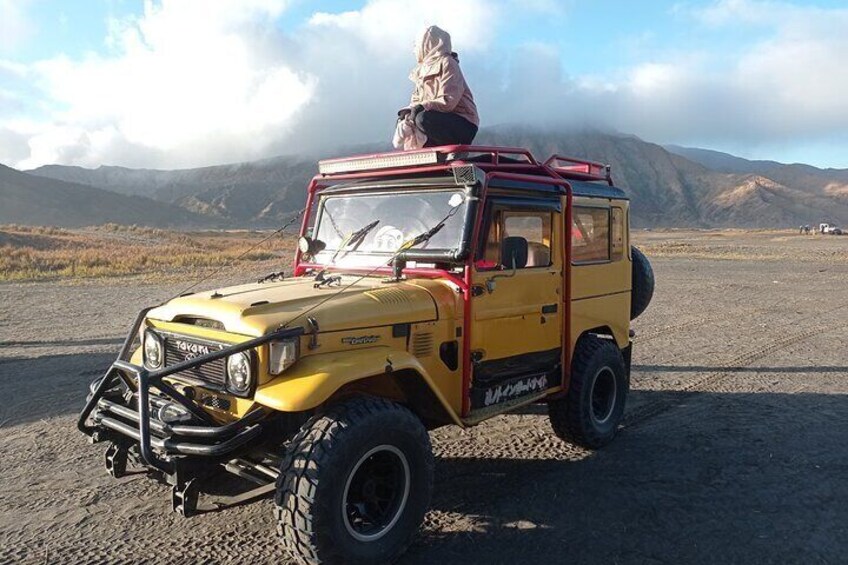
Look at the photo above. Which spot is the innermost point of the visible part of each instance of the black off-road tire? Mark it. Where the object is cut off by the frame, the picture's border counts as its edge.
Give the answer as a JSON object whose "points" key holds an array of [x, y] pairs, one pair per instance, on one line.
{"points": [[642, 283], [574, 418], [319, 465]]}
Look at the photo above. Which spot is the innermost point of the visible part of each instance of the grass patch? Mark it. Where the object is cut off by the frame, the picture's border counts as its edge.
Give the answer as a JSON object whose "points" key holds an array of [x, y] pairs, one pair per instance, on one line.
{"points": [[45, 253]]}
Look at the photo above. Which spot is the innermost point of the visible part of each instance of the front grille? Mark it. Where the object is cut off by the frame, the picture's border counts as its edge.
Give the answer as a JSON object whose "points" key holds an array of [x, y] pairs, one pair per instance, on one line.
{"points": [[179, 349]]}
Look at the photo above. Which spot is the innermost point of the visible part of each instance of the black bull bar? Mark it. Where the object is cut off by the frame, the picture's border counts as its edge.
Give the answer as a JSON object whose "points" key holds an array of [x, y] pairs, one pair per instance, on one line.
{"points": [[238, 433]]}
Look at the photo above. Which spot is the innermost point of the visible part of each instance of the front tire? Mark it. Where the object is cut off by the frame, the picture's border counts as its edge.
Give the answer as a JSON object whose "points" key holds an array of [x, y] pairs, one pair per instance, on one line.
{"points": [[591, 411], [354, 484]]}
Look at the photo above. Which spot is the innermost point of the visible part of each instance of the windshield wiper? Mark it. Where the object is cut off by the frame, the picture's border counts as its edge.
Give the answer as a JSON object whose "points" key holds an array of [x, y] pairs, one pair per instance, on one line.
{"points": [[357, 237], [427, 235], [422, 237], [350, 243]]}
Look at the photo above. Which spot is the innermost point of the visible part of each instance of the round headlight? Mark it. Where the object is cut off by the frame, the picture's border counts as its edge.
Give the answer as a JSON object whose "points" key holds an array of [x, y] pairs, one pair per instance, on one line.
{"points": [[238, 373], [153, 353]]}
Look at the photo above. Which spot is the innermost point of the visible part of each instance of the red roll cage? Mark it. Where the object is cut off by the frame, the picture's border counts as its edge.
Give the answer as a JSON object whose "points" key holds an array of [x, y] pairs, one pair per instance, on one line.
{"points": [[505, 163]]}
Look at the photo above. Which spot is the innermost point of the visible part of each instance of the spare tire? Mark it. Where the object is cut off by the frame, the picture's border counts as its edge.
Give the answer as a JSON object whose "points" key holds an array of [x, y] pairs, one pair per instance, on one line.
{"points": [[642, 283]]}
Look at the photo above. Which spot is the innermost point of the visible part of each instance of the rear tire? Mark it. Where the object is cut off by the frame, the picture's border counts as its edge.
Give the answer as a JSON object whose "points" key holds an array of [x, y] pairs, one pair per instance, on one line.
{"points": [[354, 484], [642, 283], [591, 411]]}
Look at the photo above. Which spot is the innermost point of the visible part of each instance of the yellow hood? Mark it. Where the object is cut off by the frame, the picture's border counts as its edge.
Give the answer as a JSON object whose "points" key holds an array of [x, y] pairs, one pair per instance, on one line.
{"points": [[256, 309]]}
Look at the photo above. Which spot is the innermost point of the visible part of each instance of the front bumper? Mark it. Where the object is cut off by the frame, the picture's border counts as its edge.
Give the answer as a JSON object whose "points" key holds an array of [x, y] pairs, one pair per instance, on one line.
{"points": [[119, 415], [123, 409]]}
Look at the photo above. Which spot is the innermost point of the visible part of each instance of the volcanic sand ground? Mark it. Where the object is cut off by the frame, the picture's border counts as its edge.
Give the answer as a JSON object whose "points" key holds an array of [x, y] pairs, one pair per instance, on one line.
{"points": [[733, 447]]}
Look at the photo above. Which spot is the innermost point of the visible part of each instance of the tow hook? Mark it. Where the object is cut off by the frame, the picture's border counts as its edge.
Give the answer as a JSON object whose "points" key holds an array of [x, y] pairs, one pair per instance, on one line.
{"points": [[184, 497]]}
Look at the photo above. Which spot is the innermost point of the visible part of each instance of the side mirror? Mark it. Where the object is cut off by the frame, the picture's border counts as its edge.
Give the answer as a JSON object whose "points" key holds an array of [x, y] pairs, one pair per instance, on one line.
{"points": [[310, 247], [514, 252]]}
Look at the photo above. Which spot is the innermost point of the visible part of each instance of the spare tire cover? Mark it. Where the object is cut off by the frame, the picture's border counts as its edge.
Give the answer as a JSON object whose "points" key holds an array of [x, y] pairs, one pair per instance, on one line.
{"points": [[642, 289]]}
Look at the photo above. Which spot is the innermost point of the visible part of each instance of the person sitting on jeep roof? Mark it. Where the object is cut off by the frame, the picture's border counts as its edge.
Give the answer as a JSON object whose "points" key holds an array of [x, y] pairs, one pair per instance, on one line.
{"points": [[442, 106]]}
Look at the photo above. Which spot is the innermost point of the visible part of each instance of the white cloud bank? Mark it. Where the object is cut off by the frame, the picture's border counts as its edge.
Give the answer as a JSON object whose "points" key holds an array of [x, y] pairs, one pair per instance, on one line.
{"points": [[189, 81], [196, 82], [790, 85]]}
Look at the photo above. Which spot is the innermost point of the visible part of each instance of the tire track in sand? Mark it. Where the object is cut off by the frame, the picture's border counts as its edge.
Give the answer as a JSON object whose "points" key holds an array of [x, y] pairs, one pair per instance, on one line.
{"points": [[713, 381], [526, 440]]}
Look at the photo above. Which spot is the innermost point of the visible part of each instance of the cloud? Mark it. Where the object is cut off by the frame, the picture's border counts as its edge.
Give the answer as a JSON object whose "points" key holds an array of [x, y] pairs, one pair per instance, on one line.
{"points": [[187, 81], [13, 146], [362, 61], [193, 82], [197, 82], [783, 86], [789, 84], [389, 27]]}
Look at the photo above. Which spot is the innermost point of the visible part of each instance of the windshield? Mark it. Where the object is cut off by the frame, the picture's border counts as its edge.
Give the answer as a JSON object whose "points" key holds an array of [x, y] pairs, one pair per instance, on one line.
{"points": [[401, 217]]}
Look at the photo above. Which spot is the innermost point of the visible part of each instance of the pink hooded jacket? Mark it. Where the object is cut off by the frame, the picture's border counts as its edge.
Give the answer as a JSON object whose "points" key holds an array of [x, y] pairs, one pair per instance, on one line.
{"points": [[439, 84]]}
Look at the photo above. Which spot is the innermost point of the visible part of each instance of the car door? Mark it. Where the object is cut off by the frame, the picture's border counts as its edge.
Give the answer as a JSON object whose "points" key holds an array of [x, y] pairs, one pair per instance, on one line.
{"points": [[516, 334]]}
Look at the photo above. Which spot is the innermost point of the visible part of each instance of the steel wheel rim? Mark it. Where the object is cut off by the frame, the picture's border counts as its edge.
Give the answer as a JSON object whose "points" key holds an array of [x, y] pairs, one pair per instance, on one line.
{"points": [[375, 493], [603, 395]]}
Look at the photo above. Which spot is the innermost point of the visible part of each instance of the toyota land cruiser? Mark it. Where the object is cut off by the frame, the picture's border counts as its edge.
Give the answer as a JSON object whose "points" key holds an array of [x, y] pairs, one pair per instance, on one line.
{"points": [[432, 287]]}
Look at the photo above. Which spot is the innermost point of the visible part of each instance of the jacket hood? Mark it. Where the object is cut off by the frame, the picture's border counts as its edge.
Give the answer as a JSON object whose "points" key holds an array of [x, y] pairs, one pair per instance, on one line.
{"points": [[433, 43]]}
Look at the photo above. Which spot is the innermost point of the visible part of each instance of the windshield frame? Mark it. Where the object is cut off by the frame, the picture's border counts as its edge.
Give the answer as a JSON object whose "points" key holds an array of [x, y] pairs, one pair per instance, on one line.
{"points": [[455, 257]]}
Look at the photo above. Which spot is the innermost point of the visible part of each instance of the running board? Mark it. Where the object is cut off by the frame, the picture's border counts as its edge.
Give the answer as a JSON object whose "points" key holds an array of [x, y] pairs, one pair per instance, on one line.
{"points": [[477, 416]]}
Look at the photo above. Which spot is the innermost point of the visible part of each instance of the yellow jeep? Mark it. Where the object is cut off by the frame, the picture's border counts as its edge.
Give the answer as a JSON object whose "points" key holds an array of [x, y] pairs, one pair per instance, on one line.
{"points": [[432, 287]]}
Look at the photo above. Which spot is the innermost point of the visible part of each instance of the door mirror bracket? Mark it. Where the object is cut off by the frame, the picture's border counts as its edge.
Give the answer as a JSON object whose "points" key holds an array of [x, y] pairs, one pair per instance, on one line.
{"points": [[516, 248], [490, 283]]}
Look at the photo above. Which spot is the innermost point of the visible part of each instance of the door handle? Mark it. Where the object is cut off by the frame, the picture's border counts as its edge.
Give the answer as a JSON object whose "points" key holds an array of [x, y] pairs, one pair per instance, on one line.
{"points": [[549, 309]]}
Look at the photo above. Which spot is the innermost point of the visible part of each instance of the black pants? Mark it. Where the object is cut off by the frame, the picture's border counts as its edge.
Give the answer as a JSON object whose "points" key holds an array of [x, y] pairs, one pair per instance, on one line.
{"points": [[443, 128]]}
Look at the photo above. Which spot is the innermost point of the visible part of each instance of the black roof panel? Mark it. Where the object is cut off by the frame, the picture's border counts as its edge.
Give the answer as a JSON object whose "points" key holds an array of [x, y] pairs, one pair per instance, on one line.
{"points": [[597, 190], [579, 188]]}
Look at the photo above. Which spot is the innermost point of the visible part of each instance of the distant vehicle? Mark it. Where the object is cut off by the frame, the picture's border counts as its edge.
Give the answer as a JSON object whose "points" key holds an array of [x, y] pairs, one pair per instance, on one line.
{"points": [[830, 229]]}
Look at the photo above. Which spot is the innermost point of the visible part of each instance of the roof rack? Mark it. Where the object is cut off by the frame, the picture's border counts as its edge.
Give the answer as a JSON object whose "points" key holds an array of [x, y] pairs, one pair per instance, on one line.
{"points": [[487, 157], [428, 156]]}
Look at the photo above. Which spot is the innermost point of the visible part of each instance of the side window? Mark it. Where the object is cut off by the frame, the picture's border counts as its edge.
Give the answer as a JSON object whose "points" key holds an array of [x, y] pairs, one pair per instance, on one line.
{"points": [[590, 235], [536, 226], [618, 230]]}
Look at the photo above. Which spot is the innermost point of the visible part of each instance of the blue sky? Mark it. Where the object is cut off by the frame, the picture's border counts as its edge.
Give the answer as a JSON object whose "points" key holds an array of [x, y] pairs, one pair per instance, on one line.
{"points": [[170, 83]]}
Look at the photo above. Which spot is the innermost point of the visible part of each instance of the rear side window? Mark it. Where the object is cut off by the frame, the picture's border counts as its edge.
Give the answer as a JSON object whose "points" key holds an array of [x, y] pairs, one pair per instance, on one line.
{"points": [[590, 235], [617, 243]]}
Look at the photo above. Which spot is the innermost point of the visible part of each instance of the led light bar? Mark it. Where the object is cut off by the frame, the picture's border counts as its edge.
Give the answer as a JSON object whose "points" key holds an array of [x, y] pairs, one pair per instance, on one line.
{"points": [[382, 161], [586, 168]]}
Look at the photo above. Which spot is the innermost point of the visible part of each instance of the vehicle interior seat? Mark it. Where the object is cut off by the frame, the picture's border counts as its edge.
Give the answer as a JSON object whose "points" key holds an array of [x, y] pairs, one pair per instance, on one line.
{"points": [[538, 254]]}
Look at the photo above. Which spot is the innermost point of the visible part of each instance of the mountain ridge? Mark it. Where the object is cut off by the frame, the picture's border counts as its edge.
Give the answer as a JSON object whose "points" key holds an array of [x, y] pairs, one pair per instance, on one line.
{"points": [[669, 186], [27, 199]]}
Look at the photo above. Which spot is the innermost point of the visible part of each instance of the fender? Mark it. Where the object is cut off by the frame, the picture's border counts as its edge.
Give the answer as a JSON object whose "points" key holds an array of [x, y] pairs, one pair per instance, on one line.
{"points": [[314, 379]]}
